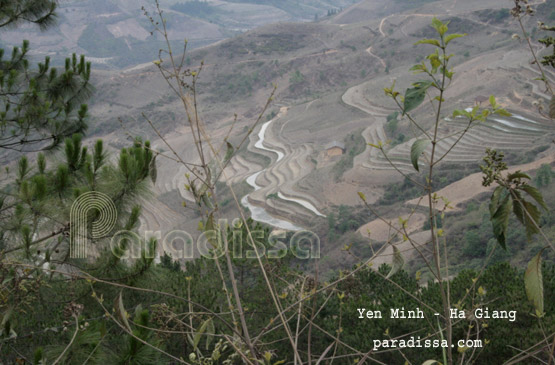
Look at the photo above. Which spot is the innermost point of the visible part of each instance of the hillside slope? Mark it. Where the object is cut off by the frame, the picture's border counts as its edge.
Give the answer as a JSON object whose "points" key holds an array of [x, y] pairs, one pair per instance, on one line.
{"points": [[114, 34], [330, 75]]}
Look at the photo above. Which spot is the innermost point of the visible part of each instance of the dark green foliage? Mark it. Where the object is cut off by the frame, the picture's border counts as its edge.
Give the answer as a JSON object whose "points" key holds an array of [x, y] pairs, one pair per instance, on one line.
{"points": [[513, 158], [498, 281], [296, 80], [39, 108], [346, 220], [449, 173], [48, 193], [474, 246], [513, 194], [439, 223], [96, 37], [360, 291], [399, 191], [354, 145], [392, 123], [543, 176], [136, 352], [167, 262], [471, 239], [549, 41], [414, 96], [39, 12]]}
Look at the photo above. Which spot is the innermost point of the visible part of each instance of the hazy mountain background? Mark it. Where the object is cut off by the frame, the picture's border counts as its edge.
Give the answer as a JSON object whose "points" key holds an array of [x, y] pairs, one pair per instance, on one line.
{"points": [[330, 60], [115, 34]]}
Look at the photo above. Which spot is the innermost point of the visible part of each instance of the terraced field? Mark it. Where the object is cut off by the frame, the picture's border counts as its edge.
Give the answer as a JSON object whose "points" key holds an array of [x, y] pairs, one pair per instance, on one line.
{"points": [[339, 102], [275, 186], [519, 132], [502, 133], [278, 185]]}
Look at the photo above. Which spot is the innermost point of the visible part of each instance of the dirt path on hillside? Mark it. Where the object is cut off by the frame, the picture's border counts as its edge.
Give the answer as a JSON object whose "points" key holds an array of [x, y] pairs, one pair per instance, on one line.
{"points": [[407, 250], [316, 54], [369, 50], [471, 186], [458, 192], [148, 64], [380, 230], [382, 23]]}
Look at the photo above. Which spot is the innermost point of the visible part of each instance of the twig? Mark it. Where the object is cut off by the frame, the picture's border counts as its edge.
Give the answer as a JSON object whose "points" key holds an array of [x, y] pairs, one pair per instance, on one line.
{"points": [[70, 342]]}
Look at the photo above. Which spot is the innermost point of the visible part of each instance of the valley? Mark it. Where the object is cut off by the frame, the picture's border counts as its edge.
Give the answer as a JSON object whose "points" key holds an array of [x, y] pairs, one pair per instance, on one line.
{"points": [[239, 181], [118, 34], [329, 78]]}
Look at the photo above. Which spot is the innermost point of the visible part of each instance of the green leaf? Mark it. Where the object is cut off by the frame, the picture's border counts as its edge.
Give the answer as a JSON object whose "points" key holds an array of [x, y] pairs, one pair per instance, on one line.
{"points": [[121, 312], [518, 175], [203, 195], [416, 150], [435, 61], [210, 227], [533, 282], [397, 263], [532, 219], [500, 221], [415, 96], [433, 42], [39, 356], [523, 210], [494, 202], [200, 332], [6, 329], [362, 196], [421, 67], [450, 37], [229, 152], [210, 330], [502, 112], [492, 101], [436, 23], [443, 29], [517, 209], [535, 194], [461, 113], [431, 362]]}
